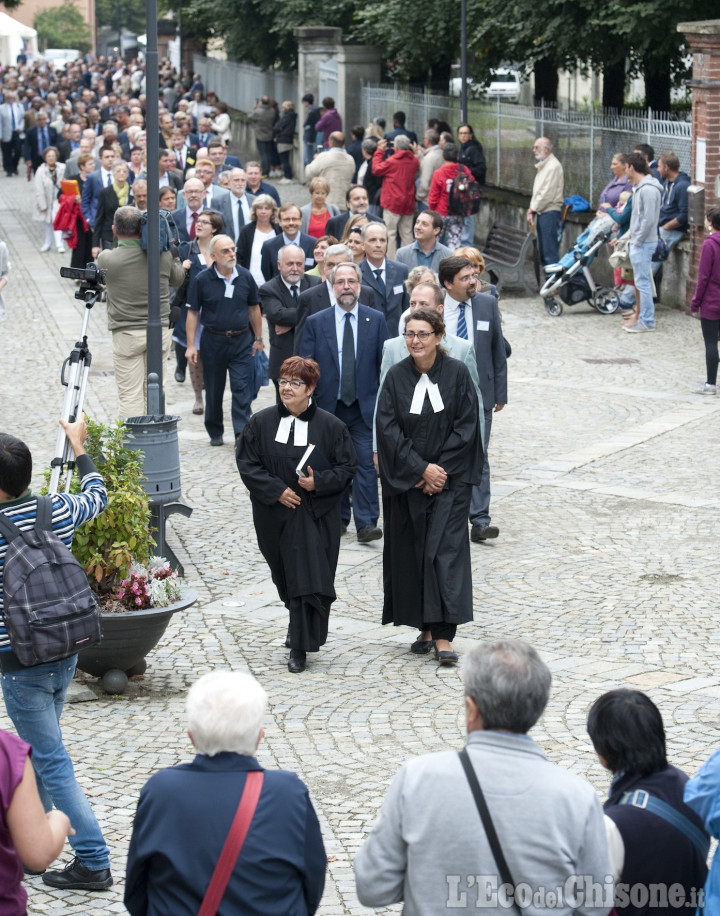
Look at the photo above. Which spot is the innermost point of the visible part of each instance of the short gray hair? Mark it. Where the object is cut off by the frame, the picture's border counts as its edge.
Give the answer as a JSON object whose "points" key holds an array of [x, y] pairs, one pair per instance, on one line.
{"points": [[334, 250], [127, 222], [374, 224], [508, 682], [355, 267], [402, 142], [225, 710], [284, 248]]}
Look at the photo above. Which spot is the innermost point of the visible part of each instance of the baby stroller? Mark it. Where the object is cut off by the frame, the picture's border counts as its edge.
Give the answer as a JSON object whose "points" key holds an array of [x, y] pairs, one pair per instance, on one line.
{"points": [[570, 281]]}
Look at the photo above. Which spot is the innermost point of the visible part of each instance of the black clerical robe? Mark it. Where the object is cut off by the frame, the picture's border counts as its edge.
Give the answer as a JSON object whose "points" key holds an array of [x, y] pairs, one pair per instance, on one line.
{"points": [[426, 559], [301, 545]]}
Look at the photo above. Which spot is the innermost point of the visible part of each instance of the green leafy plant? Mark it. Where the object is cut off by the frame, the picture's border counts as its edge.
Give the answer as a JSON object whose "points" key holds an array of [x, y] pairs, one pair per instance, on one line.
{"points": [[108, 545]]}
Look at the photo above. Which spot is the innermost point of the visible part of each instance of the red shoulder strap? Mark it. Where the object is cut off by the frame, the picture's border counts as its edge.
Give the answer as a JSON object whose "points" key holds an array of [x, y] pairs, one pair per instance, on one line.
{"points": [[233, 844]]}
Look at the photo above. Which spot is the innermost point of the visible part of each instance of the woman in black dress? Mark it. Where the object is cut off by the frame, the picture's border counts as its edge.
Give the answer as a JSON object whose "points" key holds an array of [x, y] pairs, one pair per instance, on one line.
{"points": [[82, 252], [430, 455], [296, 500]]}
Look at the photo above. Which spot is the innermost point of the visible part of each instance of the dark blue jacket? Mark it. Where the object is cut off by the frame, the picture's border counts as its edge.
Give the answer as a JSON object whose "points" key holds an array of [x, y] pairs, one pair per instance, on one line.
{"points": [[319, 342], [393, 302], [674, 201], [182, 820]]}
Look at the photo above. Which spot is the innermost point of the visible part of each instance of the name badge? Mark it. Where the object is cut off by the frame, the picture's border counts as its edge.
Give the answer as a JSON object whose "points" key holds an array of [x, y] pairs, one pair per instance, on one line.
{"points": [[229, 290], [398, 290], [483, 326], [310, 261], [201, 258]]}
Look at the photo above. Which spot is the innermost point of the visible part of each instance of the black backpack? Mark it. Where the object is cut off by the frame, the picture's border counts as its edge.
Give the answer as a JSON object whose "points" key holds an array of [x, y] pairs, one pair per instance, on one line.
{"points": [[463, 194], [50, 610]]}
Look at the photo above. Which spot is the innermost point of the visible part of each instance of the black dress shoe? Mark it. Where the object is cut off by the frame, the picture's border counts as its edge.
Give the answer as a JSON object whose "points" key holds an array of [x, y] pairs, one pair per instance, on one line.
{"points": [[296, 662], [218, 440], [446, 658], [76, 876], [421, 646], [369, 533], [180, 375], [480, 533]]}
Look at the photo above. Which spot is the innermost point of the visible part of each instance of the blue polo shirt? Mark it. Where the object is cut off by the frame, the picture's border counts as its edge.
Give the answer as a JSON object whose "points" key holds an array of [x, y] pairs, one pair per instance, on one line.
{"points": [[221, 312]]}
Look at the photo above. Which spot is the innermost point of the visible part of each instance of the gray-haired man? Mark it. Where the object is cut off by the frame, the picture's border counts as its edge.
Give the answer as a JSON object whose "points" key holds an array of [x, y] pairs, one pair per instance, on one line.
{"points": [[434, 854]]}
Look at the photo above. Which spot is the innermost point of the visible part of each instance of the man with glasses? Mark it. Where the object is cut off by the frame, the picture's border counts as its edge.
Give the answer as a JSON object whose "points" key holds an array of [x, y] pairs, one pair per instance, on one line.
{"points": [[232, 334], [475, 317], [346, 342]]}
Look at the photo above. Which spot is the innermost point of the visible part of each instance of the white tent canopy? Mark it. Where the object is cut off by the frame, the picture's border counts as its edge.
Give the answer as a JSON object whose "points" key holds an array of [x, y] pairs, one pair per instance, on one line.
{"points": [[14, 38]]}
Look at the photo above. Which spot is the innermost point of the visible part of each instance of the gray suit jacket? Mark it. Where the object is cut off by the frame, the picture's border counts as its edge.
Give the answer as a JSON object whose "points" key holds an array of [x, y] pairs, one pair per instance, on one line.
{"points": [[537, 807], [407, 255], [395, 350], [6, 130], [489, 350]]}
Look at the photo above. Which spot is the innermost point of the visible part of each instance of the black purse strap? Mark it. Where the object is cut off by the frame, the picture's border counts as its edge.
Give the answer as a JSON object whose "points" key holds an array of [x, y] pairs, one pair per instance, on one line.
{"points": [[487, 821]]}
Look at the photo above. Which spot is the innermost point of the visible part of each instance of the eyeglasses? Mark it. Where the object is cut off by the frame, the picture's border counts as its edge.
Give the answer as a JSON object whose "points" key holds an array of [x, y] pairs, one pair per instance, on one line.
{"points": [[203, 222], [290, 382], [421, 335]]}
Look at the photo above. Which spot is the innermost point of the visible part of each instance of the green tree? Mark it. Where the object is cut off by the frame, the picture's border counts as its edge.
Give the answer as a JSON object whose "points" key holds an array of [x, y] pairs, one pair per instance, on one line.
{"points": [[63, 27], [130, 15]]}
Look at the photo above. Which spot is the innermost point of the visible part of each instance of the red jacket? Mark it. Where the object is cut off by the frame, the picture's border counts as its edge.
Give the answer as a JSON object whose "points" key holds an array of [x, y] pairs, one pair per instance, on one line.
{"points": [[398, 173], [69, 212], [438, 194]]}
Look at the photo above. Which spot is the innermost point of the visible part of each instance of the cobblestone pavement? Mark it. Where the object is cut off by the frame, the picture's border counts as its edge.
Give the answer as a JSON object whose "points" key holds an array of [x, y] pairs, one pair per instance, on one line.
{"points": [[604, 469]]}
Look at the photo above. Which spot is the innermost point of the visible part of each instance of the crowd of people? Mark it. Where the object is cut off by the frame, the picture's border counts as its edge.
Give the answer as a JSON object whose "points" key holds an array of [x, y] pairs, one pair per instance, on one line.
{"points": [[388, 361]]}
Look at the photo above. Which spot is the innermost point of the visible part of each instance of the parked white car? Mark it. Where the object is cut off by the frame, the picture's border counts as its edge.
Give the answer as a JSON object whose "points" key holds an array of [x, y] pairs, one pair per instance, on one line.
{"points": [[60, 57], [504, 85]]}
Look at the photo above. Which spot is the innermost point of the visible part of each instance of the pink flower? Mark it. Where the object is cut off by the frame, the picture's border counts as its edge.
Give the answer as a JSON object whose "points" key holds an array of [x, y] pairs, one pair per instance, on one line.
{"points": [[138, 601]]}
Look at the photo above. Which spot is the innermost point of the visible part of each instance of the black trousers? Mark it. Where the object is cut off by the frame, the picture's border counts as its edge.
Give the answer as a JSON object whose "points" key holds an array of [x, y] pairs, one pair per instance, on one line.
{"points": [[442, 630], [710, 330]]}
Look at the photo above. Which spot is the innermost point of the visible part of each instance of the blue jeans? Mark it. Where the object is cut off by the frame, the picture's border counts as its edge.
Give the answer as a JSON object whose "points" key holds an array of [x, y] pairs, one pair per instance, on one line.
{"points": [[671, 237], [641, 260], [34, 699], [468, 231], [309, 151], [365, 502], [547, 235], [265, 149]]}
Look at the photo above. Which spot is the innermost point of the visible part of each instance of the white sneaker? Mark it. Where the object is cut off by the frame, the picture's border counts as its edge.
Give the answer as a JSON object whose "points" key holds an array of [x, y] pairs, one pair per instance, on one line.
{"points": [[285, 181], [45, 247], [60, 249], [707, 388]]}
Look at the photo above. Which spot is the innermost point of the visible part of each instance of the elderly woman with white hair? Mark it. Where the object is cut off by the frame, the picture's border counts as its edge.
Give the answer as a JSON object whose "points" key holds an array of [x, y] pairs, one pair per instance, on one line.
{"points": [[224, 806]]}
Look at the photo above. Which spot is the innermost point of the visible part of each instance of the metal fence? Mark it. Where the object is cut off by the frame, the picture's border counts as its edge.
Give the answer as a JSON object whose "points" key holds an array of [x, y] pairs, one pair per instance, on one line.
{"points": [[585, 142], [240, 85]]}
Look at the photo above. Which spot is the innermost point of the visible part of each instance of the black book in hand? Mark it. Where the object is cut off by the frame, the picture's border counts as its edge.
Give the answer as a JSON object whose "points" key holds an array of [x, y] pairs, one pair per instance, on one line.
{"points": [[316, 459]]}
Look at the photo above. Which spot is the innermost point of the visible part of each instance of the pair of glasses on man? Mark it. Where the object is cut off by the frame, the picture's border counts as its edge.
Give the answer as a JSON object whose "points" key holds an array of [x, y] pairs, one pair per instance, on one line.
{"points": [[421, 335], [295, 383]]}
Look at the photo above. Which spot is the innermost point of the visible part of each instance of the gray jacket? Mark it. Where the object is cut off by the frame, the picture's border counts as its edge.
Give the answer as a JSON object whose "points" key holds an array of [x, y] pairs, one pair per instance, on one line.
{"points": [[263, 119], [407, 255], [428, 844], [647, 198]]}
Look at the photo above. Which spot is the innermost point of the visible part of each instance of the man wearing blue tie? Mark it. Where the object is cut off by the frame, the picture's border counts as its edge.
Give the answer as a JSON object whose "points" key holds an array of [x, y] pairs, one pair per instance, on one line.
{"points": [[11, 126], [387, 278], [347, 341], [37, 140], [475, 317]]}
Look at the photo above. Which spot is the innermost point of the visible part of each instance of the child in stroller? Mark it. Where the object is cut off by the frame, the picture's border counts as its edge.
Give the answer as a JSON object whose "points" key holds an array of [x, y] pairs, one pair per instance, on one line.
{"points": [[570, 281]]}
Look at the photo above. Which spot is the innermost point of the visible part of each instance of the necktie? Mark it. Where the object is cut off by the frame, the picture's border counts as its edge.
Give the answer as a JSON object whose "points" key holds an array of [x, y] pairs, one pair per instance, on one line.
{"points": [[192, 227], [12, 115], [348, 393], [241, 215], [109, 180], [462, 324], [381, 283], [294, 291], [43, 138]]}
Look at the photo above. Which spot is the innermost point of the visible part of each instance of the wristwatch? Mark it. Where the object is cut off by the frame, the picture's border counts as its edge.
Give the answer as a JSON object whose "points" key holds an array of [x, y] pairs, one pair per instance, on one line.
{"points": [[258, 338]]}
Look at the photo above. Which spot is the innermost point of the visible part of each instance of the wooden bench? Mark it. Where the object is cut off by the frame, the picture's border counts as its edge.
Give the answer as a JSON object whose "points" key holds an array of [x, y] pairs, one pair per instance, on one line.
{"points": [[505, 253]]}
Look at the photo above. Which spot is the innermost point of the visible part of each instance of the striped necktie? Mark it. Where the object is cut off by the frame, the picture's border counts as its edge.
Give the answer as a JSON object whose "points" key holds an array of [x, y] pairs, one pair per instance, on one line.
{"points": [[461, 323]]}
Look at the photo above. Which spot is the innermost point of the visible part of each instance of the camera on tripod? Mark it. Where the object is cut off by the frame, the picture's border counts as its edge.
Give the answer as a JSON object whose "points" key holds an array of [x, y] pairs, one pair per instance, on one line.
{"points": [[92, 282]]}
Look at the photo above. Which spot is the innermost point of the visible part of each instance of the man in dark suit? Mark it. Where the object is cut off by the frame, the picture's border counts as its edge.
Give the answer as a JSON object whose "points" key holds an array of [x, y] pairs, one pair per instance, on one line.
{"points": [[37, 139], [322, 296], [475, 316], [279, 303], [289, 220], [387, 278], [357, 202], [168, 177], [215, 198], [347, 342], [98, 180], [185, 155], [185, 217], [67, 147]]}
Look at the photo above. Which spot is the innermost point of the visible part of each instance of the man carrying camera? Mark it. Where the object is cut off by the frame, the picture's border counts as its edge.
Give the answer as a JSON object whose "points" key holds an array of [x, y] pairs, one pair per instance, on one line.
{"points": [[126, 277]]}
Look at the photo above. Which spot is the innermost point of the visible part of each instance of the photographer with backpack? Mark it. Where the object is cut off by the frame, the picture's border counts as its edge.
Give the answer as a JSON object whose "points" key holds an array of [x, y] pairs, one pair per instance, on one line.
{"points": [[36, 577]]}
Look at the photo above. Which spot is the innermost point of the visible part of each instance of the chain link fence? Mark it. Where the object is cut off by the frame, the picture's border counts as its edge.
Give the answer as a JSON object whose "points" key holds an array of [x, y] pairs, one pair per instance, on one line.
{"points": [[585, 142]]}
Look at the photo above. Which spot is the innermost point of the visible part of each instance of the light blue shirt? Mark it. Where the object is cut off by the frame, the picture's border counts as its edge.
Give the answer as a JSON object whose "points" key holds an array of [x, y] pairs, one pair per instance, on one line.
{"points": [[340, 314]]}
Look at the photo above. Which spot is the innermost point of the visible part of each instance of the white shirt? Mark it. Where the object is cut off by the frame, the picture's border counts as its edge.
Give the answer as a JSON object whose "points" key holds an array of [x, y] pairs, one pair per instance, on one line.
{"points": [[259, 238], [374, 270], [245, 210], [451, 313], [331, 291]]}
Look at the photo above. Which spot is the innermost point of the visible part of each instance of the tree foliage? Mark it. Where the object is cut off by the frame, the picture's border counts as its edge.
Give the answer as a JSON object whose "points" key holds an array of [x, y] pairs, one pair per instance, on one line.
{"points": [[128, 14], [639, 35], [63, 27]]}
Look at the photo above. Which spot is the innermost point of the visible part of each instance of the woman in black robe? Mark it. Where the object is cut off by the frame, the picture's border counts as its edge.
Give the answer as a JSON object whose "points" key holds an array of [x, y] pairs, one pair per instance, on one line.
{"points": [[430, 455], [297, 518]]}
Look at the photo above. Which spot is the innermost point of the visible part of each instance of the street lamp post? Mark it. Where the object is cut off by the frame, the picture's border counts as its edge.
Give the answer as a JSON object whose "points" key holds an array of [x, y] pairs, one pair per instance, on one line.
{"points": [[463, 62], [156, 395]]}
